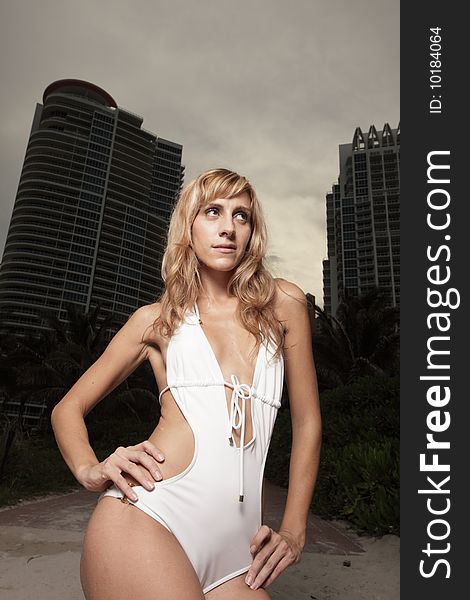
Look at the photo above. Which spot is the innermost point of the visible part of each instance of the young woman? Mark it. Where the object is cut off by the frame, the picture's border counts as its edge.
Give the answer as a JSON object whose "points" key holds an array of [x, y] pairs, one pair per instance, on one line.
{"points": [[189, 520]]}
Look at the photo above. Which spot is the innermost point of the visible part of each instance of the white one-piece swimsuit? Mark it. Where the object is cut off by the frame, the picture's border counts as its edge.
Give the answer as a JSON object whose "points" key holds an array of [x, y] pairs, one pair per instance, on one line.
{"points": [[214, 506]]}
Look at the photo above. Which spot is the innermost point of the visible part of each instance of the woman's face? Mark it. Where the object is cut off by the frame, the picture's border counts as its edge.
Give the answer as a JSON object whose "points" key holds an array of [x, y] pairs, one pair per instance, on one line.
{"points": [[222, 222]]}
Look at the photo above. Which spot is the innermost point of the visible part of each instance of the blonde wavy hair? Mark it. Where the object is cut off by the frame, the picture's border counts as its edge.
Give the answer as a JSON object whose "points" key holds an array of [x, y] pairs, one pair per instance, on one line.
{"points": [[251, 282]]}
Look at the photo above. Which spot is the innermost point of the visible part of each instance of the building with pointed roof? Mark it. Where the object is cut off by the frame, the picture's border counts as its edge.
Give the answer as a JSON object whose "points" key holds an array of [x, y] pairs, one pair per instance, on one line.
{"points": [[363, 219]]}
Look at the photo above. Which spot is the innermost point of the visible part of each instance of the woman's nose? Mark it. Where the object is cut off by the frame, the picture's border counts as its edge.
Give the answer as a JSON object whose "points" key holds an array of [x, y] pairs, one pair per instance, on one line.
{"points": [[227, 227]]}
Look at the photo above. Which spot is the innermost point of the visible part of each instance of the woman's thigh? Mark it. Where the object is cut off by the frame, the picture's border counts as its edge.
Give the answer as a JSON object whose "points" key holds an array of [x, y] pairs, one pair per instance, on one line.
{"points": [[127, 554], [236, 589]]}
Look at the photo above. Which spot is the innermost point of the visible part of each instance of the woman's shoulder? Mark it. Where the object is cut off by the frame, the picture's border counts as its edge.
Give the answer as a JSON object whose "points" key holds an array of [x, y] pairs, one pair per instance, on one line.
{"points": [[288, 289], [146, 313], [288, 295], [290, 299], [143, 318]]}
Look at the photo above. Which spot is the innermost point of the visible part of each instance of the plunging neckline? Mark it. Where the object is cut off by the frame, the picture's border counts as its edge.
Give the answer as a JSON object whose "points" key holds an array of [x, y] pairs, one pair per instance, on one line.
{"points": [[214, 357]]}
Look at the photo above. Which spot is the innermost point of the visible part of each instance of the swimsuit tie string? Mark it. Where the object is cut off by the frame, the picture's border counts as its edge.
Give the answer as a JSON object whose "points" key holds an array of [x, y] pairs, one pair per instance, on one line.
{"points": [[243, 392]]}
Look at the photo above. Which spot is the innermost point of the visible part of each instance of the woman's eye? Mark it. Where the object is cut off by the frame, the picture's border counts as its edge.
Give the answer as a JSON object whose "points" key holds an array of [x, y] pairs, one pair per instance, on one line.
{"points": [[243, 214]]}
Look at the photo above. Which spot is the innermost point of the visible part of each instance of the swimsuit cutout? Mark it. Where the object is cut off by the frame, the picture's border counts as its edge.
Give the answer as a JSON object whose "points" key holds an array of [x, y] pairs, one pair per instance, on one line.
{"points": [[214, 506]]}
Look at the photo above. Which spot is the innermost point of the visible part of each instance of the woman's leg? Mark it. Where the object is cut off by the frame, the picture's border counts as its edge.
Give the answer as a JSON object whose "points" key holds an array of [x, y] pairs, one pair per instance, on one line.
{"points": [[127, 554], [236, 589]]}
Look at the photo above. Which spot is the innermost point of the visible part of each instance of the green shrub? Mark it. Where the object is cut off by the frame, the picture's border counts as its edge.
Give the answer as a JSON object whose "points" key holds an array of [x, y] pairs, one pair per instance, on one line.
{"points": [[358, 478], [35, 466], [360, 483], [368, 410], [277, 462]]}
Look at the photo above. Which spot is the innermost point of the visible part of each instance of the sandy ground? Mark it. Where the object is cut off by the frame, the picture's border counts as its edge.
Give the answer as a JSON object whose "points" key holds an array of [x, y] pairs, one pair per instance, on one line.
{"points": [[40, 545]]}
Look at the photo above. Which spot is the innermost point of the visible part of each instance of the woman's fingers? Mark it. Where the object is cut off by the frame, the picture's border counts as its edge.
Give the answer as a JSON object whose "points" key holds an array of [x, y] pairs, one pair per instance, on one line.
{"points": [[139, 462], [122, 483], [275, 554], [281, 565], [141, 457], [140, 474], [259, 548], [261, 537], [151, 449], [270, 560], [120, 466]]}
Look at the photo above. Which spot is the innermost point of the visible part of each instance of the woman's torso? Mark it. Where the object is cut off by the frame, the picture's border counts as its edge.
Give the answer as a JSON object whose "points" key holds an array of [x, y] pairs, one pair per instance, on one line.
{"points": [[233, 347]]}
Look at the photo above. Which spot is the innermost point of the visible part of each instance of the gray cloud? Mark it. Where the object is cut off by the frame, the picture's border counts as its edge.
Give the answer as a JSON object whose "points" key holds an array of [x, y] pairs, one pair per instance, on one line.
{"points": [[269, 88]]}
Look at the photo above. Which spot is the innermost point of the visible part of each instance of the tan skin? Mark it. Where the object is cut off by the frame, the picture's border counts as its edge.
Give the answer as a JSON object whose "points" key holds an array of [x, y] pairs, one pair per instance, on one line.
{"points": [[126, 553]]}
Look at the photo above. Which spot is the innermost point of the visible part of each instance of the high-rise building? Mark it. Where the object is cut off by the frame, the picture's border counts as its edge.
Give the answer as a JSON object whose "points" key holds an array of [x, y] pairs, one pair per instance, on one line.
{"points": [[363, 219], [91, 212]]}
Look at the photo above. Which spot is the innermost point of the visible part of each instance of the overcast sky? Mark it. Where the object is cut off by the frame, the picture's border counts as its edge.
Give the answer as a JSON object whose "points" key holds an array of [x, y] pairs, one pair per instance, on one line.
{"points": [[268, 88]]}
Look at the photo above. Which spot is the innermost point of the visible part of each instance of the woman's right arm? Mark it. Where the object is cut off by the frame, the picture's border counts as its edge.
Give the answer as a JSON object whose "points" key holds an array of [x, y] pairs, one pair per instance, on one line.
{"points": [[124, 353]]}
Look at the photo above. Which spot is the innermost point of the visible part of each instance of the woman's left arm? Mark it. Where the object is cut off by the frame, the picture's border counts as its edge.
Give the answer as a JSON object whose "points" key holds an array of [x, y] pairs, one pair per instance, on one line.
{"points": [[276, 550]]}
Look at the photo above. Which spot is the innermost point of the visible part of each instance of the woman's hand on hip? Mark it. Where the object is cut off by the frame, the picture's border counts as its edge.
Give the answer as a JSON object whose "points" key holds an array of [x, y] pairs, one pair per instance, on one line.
{"points": [[273, 552], [139, 461]]}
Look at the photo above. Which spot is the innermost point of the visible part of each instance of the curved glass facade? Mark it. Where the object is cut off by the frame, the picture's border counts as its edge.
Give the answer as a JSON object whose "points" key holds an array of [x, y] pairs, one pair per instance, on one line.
{"points": [[91, 213]]}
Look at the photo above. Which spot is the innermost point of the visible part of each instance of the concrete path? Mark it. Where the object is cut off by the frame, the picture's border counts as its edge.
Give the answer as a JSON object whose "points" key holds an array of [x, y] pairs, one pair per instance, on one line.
{"points": [[40, 545]]}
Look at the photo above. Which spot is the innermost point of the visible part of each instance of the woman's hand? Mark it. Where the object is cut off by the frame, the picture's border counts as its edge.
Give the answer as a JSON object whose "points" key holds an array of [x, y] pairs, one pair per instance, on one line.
{"points": [[139, 461], [274, 552]]}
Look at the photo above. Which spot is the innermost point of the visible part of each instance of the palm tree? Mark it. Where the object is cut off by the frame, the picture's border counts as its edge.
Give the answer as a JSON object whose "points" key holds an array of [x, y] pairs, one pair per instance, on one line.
{"points": [[37, 372], [362, 339], [46, 367]]}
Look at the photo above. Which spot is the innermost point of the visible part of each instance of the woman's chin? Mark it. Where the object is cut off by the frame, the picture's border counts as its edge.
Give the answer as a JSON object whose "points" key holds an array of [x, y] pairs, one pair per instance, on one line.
{"points": [[221, 264]]}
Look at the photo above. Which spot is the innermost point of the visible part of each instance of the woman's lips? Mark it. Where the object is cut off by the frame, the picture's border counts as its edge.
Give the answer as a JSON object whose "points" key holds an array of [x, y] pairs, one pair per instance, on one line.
{"points": [[225, 250]]}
